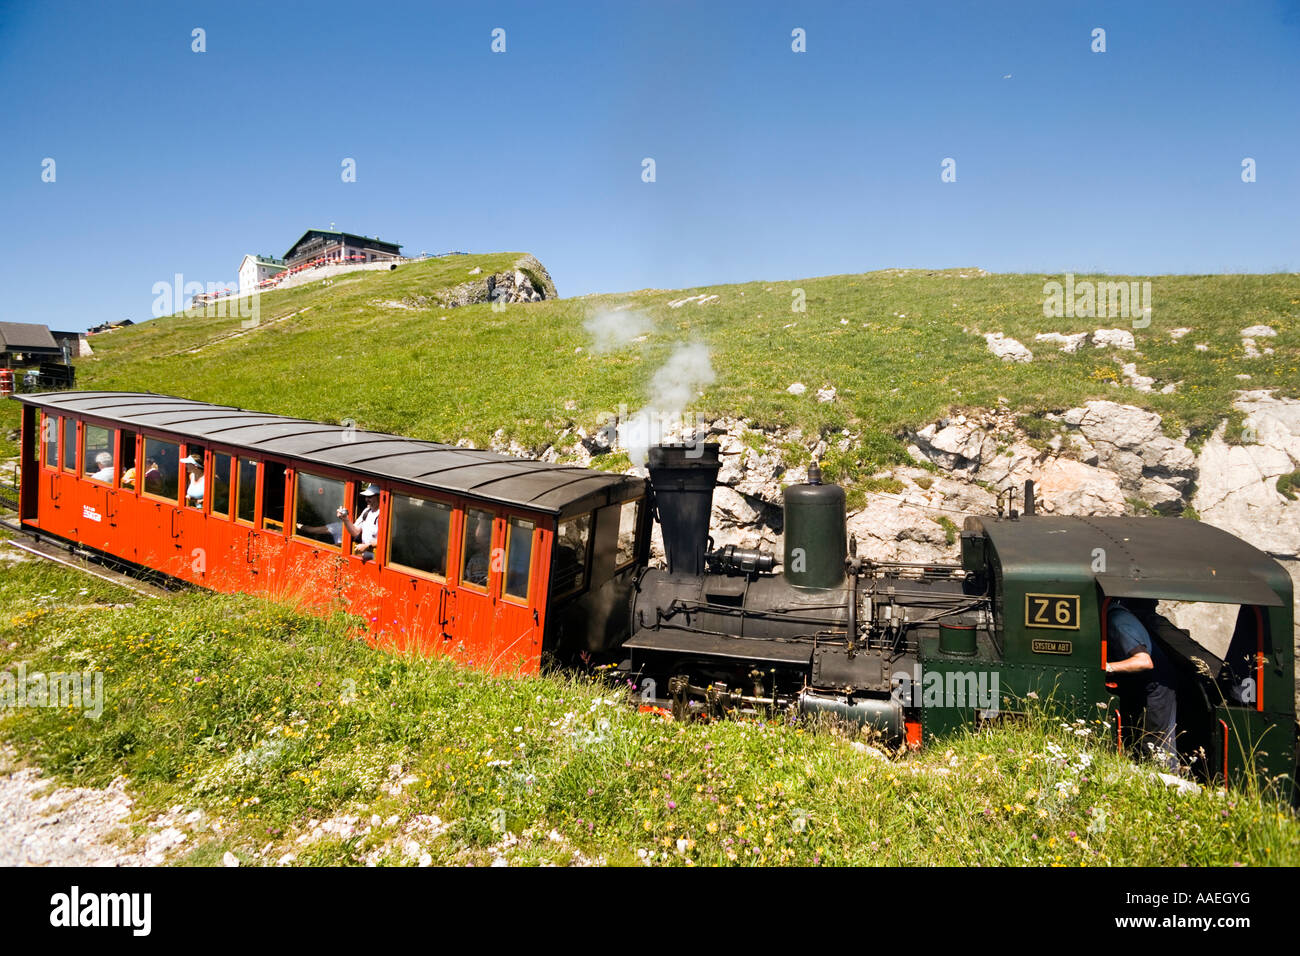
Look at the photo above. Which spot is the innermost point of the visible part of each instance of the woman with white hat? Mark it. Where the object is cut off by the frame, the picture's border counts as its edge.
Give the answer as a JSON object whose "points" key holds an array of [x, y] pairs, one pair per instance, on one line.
{"points": [[194, 483]]}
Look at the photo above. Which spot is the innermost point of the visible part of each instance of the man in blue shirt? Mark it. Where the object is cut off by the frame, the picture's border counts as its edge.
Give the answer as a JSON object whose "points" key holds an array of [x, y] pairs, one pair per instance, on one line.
{"points": [[1142, 666]]}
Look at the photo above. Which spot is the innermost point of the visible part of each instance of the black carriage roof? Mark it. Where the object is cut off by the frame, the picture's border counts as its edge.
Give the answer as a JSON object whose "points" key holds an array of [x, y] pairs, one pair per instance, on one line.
{"points": [[539, 486], [1169, 558]]}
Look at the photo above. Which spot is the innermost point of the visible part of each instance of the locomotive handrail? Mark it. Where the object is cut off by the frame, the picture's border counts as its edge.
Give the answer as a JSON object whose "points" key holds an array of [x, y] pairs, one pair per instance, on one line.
{"points": [[678, 604]]}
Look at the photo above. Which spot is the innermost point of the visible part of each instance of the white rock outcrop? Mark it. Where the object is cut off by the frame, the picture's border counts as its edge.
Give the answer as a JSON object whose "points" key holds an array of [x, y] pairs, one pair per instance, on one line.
{"points": [[1119, 338], [1237, 486], [1069, 487], [1066, 343], [1009, 350], [1131, 442]]}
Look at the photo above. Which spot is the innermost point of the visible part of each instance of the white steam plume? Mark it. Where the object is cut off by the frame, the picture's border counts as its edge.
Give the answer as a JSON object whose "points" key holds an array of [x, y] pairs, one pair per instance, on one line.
{"points": [[672, 387], [612, 329]]}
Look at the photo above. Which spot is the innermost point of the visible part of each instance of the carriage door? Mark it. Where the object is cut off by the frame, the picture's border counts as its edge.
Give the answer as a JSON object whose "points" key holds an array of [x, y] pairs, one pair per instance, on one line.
{"points": [[49, 507], [418, 606], [160, 482], [242, 563], [97, 469], [191, 542], [517, 638], [478, 584]]}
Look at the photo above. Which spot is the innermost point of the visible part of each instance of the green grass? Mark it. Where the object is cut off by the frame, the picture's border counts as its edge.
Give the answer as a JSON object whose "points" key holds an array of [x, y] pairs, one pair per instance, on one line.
{"points": [[335, 352], [271, 721], [950, 529], [1288, 486]]}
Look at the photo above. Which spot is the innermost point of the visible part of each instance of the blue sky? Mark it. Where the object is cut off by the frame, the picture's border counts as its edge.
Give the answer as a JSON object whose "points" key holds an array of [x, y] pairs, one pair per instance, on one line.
{"points": [[770, 164]]}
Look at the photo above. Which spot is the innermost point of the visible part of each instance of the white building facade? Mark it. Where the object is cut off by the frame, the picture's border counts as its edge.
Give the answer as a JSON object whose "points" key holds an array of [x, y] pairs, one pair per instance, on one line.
{"points": [[256, 269]]}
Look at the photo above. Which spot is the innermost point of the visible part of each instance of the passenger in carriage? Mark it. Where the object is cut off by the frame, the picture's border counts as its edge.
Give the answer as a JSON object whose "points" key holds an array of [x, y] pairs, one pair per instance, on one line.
{"points": [[478, 558], [365, 531], [194, 481], [104, 462], [152, 475]]}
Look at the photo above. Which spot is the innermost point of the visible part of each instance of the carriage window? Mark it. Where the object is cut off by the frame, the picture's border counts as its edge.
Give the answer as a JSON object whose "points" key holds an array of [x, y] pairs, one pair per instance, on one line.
{"points": [[220, 484], [50, 430], [161, 468], [418, 534], [519, 557], [273, 496], [628, 515], [315, 508], [126, 444], [478, 548], [69, 444], [246, 494], [194, 477], [571, 549], [97, 454]]}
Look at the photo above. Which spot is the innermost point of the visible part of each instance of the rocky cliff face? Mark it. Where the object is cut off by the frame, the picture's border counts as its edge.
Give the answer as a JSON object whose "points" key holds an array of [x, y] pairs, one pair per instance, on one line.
{"points": [[1102, 458], [527, 281]]}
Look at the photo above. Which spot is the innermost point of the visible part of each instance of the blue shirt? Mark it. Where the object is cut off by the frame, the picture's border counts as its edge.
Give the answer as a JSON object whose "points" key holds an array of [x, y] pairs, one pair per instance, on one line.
{"points": [[1128, 636], [1127, 633]]}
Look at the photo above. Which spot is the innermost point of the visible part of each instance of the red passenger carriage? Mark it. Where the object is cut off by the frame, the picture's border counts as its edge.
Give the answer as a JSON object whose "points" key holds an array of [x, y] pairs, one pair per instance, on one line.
{"points": [[493, 559]]}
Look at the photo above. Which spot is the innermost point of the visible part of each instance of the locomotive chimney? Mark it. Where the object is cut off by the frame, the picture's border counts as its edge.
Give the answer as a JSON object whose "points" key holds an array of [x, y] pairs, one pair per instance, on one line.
{"points": [[683, 477]]}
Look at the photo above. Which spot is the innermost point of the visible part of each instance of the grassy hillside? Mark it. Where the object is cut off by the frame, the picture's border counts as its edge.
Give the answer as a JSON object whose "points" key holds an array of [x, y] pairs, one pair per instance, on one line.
{"points": [[299, 743], [901, 347]]}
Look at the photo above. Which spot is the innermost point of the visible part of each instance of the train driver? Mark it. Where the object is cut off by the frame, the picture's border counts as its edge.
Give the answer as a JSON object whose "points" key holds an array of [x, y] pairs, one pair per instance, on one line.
{"points": [[1145, 673], [194, 481], [365, 531]]}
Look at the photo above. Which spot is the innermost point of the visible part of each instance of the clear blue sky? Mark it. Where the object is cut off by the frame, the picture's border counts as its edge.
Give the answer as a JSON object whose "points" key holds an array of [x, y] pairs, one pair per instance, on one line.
{"points": [[770, 164]]}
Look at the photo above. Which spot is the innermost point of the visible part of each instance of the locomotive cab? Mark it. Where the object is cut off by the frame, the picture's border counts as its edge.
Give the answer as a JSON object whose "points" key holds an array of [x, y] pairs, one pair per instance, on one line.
{"points": [[1055, 579]]}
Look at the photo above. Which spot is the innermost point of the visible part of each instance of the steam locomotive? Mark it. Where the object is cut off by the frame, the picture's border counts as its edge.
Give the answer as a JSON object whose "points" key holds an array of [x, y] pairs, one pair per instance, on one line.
{"points": [[914, 650], [504, 564]]}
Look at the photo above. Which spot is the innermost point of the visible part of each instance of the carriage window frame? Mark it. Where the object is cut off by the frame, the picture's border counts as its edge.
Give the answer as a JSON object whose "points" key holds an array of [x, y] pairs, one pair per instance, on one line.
{"points": [[389, 562], [636, 504], [292, 524], [212, 483], [111, 449], [486, 586], [175, 499], [127, 437], [238, 489], [47, 445], [184, 481], [68, 455], [506, 593], [586, 558], [262, 519]]}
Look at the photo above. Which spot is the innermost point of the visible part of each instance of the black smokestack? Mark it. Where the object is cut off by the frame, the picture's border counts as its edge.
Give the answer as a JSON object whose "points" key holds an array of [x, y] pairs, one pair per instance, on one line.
{"points": [[683, 477]]}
